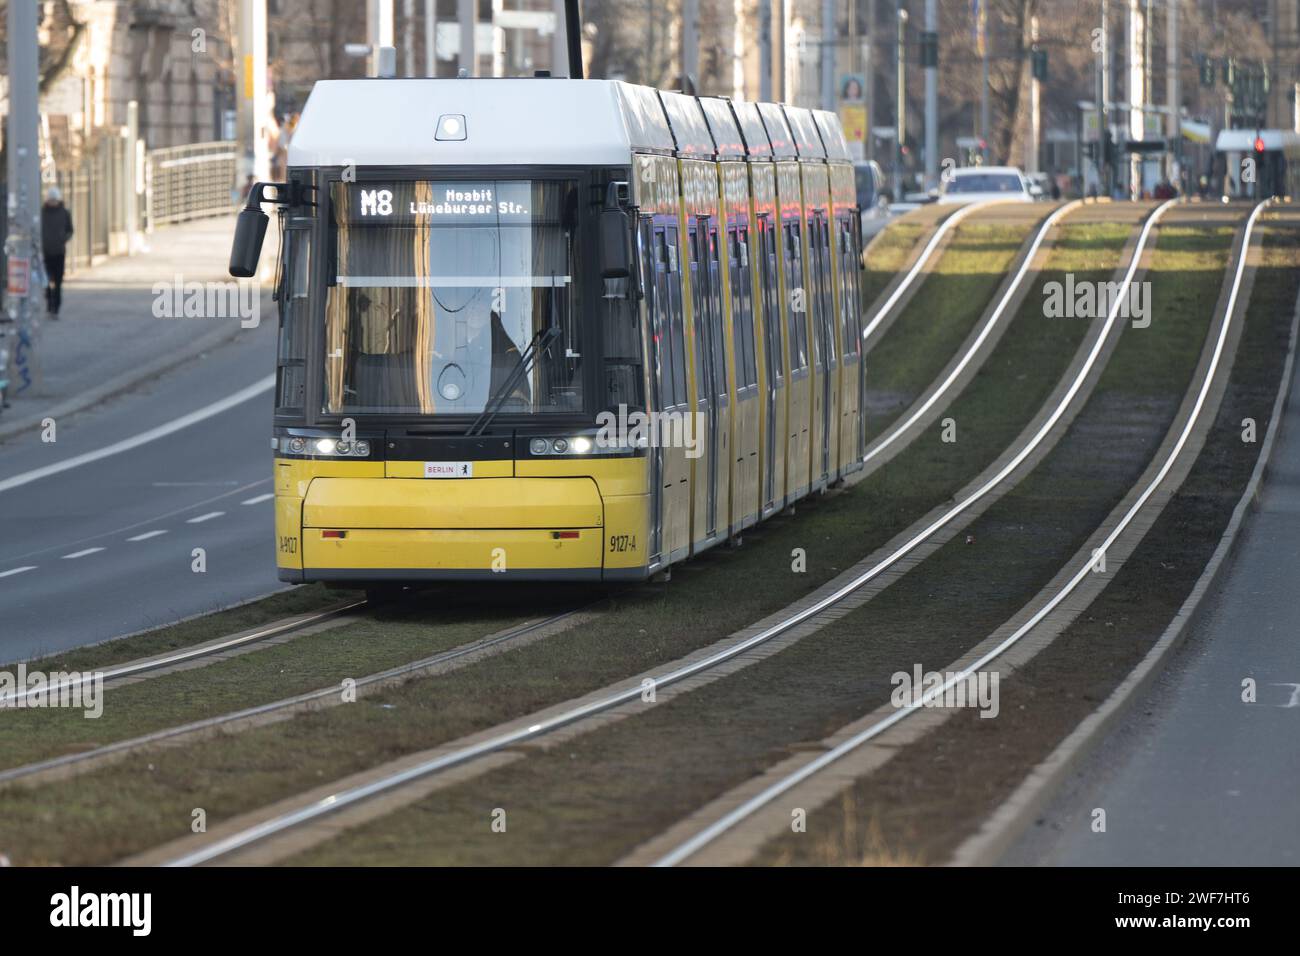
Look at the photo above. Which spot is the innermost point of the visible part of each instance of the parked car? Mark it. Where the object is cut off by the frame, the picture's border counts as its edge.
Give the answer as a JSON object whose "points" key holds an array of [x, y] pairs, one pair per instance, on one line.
{"points": [[979, 183], [870, 181]]}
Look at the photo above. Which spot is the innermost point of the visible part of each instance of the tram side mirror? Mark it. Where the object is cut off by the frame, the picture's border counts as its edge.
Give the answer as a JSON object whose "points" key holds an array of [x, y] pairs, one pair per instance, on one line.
{"points": [[250, 230], [615, 252], [615, 244]]}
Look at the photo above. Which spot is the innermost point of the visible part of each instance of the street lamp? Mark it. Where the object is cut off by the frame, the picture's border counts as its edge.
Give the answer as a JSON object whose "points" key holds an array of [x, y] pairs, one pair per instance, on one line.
{"points": [[902, 106]]}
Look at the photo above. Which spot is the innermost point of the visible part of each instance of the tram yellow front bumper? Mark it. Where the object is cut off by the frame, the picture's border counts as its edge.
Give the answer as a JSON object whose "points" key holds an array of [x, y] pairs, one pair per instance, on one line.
{"points": [[422, 527]]}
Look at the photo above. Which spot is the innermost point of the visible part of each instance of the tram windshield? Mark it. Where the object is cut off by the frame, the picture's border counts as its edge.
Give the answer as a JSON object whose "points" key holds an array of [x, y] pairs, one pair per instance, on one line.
{"points": [[437, 289]]}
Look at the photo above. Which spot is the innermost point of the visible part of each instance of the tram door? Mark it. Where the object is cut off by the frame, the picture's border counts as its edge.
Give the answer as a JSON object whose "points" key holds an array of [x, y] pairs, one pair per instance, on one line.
{"points": [[852, 435], [774, 362], [671, 489], [825, 339], [710, 370], [651, 282]]}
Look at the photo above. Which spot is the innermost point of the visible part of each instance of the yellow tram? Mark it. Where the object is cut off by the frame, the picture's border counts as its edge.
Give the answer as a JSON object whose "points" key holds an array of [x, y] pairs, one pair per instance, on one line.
{"points": [[553, 329]]}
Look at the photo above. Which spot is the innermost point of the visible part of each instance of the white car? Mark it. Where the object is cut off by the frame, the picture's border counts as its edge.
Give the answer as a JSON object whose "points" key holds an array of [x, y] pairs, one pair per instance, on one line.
{"points": [[979, 183]]}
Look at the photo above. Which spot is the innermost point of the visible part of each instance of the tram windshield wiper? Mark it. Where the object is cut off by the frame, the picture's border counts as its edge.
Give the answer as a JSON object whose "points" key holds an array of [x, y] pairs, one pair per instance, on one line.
{"points": [[527, 359]]}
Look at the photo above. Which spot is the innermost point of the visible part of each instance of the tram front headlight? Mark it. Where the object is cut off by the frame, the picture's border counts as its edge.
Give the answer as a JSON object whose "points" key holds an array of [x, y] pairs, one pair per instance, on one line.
{"points": [[581, 445], [325, 446], [560, 446], [539, 446]]}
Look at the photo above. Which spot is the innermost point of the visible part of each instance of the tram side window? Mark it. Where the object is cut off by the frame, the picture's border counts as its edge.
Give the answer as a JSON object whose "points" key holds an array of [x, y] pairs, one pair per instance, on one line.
{"points": [[825, 288], [797, 298], [816, 302], [623, 378], [849, 288], [295, 315], [717, 341], [742, 313], [621, 332], [771, 293], [671, 312], [697, 277]]}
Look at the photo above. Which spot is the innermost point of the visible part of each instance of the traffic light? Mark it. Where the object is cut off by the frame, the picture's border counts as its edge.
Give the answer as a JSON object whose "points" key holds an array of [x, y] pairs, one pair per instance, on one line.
{"points": [[929, 48], [1207, 72], [1259, 143], [1040, 65], [1110, 149], [1090, 150]]}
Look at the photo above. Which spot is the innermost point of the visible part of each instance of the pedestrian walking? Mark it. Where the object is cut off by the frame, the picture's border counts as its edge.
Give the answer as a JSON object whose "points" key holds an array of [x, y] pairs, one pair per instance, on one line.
{"points": [[56, 230]]}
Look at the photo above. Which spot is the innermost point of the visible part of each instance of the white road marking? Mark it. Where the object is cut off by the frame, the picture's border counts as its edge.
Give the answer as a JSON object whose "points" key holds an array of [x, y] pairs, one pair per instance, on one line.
{"points": [[81, 554], [29, 567], [147, 535], [140, 524], [135, 441], [207, 517], [258, 500]]}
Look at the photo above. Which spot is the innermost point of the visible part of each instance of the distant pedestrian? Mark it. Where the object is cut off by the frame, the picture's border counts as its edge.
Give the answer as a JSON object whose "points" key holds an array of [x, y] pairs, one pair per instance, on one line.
{"points": [[56, 230]]}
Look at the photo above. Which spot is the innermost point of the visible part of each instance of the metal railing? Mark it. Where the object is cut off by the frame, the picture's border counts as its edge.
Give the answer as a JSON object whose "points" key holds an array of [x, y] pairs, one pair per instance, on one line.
{"points": [[96, 192], [180, 183], [190, 182]]}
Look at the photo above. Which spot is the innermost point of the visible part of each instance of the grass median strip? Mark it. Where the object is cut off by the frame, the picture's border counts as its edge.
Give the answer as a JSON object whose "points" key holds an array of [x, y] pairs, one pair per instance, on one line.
{"points": [[147, 799], [1067, 680], [939, 317], [593, 799], [391, 635], [196, 630], [887, 254]]}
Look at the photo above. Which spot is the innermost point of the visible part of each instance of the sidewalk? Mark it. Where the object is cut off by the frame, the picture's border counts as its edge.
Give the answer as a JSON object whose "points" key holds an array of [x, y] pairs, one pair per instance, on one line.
{"points": [[107, 338]]}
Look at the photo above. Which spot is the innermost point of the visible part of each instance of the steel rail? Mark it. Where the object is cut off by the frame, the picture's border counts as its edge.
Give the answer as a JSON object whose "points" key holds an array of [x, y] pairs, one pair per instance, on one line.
{"points": [[347, 797], [706, 836]]}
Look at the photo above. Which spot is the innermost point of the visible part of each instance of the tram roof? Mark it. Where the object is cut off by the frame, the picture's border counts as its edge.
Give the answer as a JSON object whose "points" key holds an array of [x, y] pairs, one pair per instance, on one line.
{"points": [[536, 121], [832, 134]]}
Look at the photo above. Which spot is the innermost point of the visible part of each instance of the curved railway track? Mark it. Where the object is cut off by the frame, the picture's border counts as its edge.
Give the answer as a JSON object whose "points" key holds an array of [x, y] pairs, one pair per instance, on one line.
{"points": [[186, 655], [497, 742], [689, 847], [299, 622]]}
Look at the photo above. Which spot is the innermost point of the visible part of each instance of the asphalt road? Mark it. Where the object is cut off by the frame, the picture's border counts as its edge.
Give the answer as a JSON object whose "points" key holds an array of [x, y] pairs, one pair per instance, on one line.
{"points": [[70, 571], [1194, 776]]}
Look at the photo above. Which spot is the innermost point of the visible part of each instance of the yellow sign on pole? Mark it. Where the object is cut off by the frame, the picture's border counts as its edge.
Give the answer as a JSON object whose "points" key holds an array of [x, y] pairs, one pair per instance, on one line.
{"points": [[248, 76], [853, 117]]}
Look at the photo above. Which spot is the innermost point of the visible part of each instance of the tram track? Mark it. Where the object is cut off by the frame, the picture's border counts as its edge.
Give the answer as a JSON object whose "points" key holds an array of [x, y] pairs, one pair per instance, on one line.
{"points": [[56, 767], [114, 675], [521, 735], [894, 299], [1003, 643]]}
